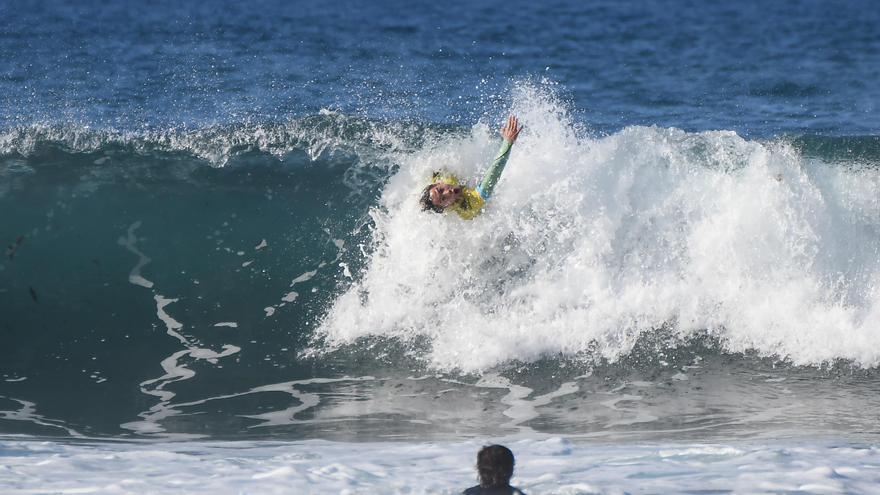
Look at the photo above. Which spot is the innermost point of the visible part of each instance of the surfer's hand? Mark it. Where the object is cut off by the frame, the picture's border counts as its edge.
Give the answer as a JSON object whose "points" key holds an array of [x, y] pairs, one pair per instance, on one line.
{"points": [[511, 129]]}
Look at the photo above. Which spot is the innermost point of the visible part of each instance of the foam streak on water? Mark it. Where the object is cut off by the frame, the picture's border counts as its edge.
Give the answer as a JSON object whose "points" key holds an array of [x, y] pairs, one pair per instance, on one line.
{"points": [[175, 366], [592, 242]]}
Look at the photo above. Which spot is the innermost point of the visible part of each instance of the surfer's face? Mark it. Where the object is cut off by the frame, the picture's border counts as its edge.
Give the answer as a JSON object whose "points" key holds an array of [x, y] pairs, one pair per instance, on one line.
{"points": [[443, 194]]}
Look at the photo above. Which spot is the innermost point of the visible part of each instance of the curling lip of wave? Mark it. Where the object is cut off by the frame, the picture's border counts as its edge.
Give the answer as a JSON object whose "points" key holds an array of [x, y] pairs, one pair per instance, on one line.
{"points": [[328, 131], [218, 144]]}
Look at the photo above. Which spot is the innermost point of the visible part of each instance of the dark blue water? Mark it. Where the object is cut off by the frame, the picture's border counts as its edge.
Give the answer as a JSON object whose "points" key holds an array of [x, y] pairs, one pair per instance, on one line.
{"points": [[759, 69], [187, 191]]}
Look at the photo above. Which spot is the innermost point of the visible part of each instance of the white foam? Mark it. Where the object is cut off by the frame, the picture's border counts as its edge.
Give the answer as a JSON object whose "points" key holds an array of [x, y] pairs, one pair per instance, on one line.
{"points": [[544, 466], [591, 242], [291, 296], [346, 272], [303, 278], [215, 144], [520, 408], [129, 242], [175, 365], [171, 325], [28, 413]]}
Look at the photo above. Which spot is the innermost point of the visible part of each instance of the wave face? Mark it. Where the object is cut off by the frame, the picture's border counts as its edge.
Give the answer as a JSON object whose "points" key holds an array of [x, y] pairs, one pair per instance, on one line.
{"points": [[277, 279], [153, 269], [593, 242]]}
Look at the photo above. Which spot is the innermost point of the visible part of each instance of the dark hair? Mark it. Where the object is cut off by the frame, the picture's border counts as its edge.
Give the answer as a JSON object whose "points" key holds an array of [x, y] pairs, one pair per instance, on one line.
{"points": [[426, 202], [495, 465]]}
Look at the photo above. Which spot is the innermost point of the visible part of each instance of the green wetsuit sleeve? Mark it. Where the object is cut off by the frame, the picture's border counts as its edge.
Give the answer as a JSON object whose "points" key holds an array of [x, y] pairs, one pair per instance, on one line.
{"points": [[487, 185]]}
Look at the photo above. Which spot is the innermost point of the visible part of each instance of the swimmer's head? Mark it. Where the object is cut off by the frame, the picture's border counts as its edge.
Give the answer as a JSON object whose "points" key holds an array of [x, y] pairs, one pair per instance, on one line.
{"points": [[439, 196], [495, 465]]}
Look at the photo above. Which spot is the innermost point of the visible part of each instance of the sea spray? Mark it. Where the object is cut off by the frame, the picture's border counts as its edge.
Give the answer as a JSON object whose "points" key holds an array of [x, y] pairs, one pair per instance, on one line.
{"points": [[592, 241]]}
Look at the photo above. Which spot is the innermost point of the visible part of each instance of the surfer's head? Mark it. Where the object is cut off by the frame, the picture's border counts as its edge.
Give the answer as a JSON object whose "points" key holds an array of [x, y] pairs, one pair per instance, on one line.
{"points": [[439, 196], [495, 465]]}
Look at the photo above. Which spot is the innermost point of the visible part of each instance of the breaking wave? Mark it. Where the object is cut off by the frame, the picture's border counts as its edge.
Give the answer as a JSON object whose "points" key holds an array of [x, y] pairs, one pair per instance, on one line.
{"points": [[594, 241]]}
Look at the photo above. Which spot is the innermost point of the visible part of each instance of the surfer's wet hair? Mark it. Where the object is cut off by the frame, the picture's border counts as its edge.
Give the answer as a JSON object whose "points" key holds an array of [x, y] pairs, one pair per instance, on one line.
{"points": [[495, 466], [425, 200]]}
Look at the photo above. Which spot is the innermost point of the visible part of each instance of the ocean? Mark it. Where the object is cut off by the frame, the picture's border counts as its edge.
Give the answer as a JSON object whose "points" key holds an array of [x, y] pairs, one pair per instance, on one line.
{"points": [[216, 277]]}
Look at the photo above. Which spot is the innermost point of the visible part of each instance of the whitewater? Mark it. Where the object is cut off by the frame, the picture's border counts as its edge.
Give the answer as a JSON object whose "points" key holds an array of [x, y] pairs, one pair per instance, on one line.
{"points": [[596, 241], [547, 466]]}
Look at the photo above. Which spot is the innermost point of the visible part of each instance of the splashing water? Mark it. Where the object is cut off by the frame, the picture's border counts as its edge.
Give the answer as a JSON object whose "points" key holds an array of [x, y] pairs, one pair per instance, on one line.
{"points": [[591, 242]]}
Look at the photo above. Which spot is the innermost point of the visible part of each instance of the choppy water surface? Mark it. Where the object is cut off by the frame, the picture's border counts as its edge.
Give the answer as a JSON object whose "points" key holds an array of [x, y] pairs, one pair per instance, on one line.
{"points": [[212, 233], [805, 66]]}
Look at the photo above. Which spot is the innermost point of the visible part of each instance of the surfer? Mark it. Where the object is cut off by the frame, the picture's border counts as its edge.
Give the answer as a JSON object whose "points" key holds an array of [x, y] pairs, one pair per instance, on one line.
{"points": [[495, 466], [445, 192]]}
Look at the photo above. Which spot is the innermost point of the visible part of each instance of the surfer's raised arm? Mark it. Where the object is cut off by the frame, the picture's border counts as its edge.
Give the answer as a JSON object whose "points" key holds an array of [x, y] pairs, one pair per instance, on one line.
{"points": [[510, 131], [445, 192]]}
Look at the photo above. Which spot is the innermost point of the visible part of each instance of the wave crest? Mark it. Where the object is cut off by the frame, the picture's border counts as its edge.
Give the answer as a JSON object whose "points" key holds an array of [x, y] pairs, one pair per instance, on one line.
{"points": [[315, 135]]}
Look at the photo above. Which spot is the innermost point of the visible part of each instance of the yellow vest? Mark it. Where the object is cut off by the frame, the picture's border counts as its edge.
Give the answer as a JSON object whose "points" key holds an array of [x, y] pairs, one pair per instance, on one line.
{"points": [[469, 204]]}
